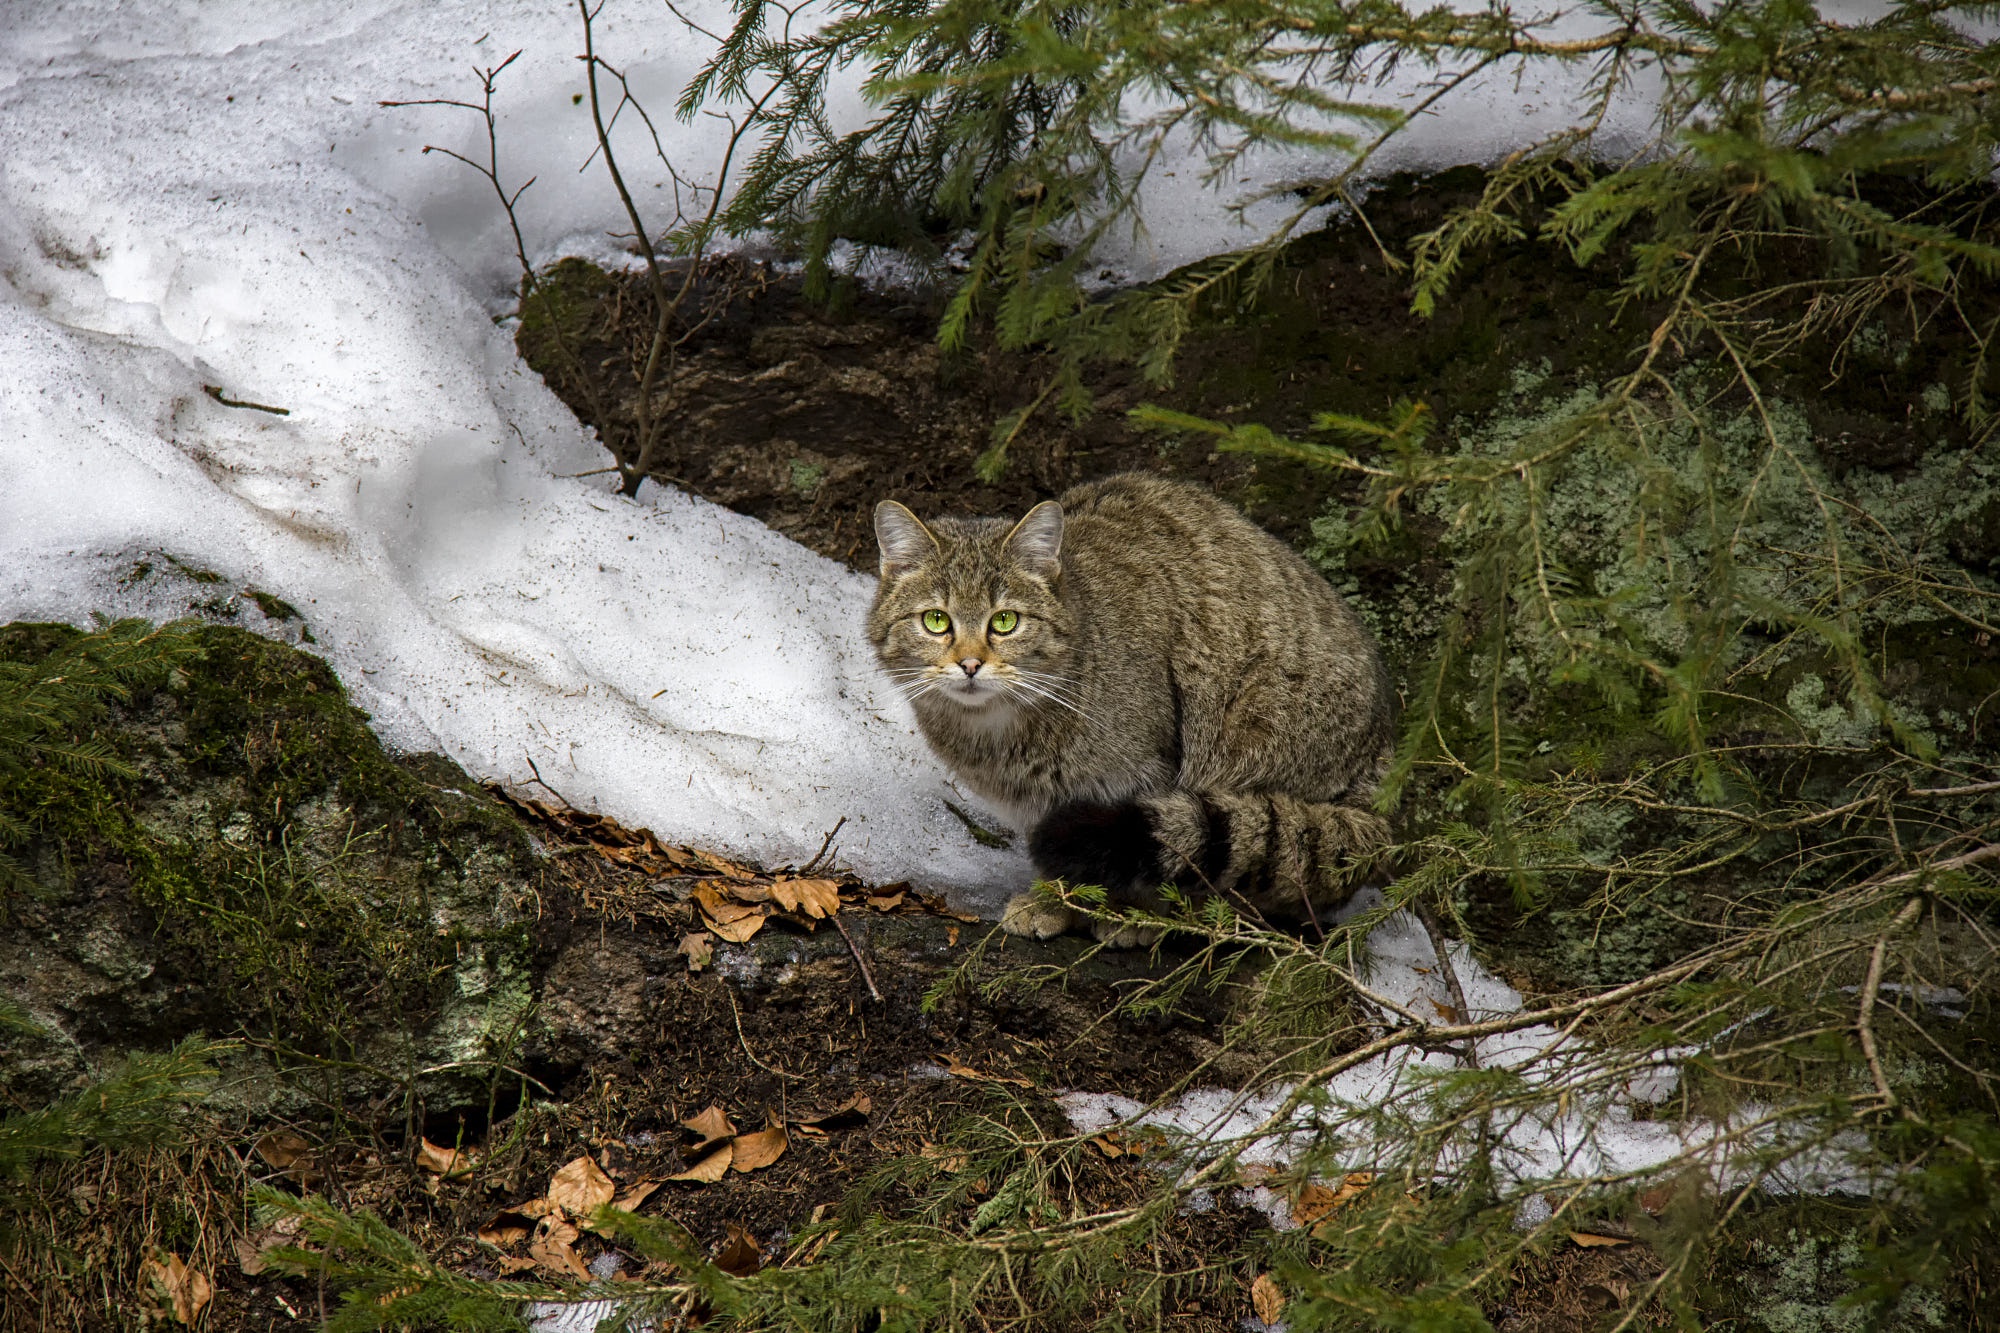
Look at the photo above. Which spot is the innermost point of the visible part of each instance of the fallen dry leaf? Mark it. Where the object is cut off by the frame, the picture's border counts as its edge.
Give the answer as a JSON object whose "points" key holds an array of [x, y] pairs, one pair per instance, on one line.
{"points": [[281, 1148], [552, 1248], [741, 929], [759, 1150], [719, 865], [289, 1153], [740, 1255], [534, 1208], [1590, 1240], [509, 1227], [887, 902], [699, 949], [951, 1064], [951, 937], [1266, 1298], [1656, 1199], [186, 1290], [443, 1161], [715, 902], [950, 1163], [847, 1115], [1316, 1200], [711, 1124], [710, 1168], [816, 898], [251, 1248], [739, 892], [509, 1265], [638, 1193], [580, 1188]]}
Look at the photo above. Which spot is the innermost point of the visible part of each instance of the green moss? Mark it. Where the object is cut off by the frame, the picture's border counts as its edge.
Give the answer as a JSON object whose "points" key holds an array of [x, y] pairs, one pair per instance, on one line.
{"points": [[306, 888], [273, 607]]}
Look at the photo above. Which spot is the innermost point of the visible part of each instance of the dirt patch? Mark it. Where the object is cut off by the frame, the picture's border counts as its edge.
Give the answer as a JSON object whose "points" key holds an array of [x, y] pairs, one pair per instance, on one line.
{"points": [[804, 415]]}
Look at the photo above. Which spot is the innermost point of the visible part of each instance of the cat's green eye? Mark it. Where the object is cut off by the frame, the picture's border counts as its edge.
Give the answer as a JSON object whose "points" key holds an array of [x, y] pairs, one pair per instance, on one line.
{"points": [[1004, 621], [937, 622]]}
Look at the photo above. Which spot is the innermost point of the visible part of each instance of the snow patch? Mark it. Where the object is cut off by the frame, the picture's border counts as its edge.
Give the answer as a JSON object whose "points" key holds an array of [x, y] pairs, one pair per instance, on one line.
{"points": [[208, 201], [1601, 1133]]}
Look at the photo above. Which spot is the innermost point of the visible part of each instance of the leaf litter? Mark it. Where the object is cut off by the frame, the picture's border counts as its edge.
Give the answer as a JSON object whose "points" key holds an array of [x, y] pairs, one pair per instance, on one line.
{"points": [[731, 901]]}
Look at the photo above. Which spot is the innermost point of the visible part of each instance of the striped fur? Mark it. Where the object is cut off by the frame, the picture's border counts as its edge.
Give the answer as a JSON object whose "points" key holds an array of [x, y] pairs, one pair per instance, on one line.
{"points": [[1181, 699]]}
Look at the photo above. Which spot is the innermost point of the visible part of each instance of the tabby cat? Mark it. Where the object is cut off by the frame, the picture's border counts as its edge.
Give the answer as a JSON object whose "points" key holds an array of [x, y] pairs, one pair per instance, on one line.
{"points": [[1153, 688]]}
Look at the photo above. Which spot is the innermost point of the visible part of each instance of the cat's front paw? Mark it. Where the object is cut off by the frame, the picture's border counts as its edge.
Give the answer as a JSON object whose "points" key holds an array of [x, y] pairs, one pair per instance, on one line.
{"points": [[1033, 916], [1089, 842]]}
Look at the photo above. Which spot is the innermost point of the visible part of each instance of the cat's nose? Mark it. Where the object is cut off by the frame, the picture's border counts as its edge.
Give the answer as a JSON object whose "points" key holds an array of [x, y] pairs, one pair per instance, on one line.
{"points": [[970, 666]]}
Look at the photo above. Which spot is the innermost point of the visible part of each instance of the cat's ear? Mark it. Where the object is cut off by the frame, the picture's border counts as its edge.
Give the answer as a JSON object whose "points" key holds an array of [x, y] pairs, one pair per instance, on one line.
{"points": [[1035, 544], [905, 542]]}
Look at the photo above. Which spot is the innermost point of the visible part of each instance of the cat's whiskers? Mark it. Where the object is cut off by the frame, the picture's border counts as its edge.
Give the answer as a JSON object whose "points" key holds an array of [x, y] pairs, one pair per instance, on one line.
{"points": [[1061, 686], [1026, 686]]}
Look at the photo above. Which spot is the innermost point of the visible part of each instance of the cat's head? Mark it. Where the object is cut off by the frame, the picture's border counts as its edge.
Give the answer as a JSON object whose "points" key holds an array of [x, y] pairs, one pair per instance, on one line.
{"points": [[970, 610]]}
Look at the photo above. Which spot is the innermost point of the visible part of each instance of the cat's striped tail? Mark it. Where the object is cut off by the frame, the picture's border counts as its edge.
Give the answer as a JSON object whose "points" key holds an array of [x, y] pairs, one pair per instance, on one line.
{"points": [[1275, 853]]}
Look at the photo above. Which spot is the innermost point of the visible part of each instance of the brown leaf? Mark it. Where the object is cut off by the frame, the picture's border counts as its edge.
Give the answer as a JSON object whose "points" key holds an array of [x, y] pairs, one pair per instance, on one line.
{"points": [[580, 1188], [951, 1064], [552, 1248], [289, 1153], [948, 1162], [847, 1115], [739, 930], [740, 1255], [1266, 1298], [759, 894], [951, 937], [1316, 1200], [636, 1194], [699, 947], [280, 1148], [759, 1150], [1107, 1145], [1656, 1199], [509, 1265], [186, 1290], [887, 902], [816, 898], [720, 866], [443, 1161], [250, 1249], [534, 1208], [711, 1124], [509, 1227], [710, 1168], [1591, 1240]]}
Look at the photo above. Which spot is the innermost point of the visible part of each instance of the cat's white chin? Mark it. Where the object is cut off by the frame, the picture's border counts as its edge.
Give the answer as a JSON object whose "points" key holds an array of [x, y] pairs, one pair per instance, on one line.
{"points": [[975, 694]]}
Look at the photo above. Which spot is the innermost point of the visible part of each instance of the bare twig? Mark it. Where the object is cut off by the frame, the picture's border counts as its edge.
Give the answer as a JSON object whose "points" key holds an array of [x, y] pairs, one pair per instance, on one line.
{"points": [[867, 974], [744, 1041], [823, 846], [545, 786]]}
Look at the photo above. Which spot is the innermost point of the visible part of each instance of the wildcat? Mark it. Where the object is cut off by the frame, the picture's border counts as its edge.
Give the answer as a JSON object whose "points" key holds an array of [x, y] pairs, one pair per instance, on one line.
{"points": [[1152, 687]]}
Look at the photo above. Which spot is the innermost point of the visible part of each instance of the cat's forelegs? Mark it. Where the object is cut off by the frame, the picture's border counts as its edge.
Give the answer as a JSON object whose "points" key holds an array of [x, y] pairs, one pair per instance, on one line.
{"points": [[1035, 917]]}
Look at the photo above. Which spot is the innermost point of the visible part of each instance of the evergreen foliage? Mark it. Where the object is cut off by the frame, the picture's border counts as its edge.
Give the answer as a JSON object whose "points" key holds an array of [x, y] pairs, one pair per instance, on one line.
{"points": [[1008, 137], [136, 1105]]}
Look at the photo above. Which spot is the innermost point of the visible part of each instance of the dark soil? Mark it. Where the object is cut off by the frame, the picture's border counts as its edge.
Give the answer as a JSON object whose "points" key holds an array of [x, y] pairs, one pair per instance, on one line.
{"points": [[805, 415]]}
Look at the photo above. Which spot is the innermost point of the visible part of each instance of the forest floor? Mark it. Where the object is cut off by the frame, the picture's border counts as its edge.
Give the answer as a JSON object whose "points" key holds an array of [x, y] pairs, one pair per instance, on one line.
{"points": [[850, 1044]]}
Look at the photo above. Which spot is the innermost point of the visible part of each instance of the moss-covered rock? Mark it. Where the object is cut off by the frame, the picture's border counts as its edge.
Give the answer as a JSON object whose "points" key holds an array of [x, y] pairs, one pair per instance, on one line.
{"points": [[252, 863]]}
